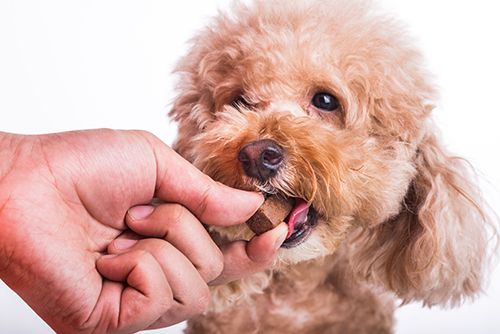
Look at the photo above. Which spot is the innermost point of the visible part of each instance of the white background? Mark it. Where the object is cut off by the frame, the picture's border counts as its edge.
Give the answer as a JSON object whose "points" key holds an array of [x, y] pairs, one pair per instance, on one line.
{"points": [[67, 64]]}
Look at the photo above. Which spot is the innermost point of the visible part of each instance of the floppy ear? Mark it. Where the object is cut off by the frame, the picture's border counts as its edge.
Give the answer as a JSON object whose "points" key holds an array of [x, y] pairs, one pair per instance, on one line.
{"points": [[185, 109], [435, 249], [203, 86]]}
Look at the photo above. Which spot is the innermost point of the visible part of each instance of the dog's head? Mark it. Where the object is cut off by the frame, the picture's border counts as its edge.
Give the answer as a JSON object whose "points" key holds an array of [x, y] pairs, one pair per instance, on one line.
{"points": [[327, 103]]}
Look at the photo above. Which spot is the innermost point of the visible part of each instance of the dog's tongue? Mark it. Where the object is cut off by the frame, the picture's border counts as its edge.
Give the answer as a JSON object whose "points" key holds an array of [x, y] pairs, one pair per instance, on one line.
{"points": [[297, 216]]}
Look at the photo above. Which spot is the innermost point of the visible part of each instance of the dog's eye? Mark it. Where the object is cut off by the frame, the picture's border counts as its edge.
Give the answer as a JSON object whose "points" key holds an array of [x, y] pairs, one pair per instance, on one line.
{"points": [[325, 102]]}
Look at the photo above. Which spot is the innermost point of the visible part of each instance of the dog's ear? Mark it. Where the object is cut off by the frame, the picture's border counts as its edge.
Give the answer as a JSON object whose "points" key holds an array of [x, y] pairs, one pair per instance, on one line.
{"points": [[203, 86], [187, 127], [184, 105], [435, 249]]}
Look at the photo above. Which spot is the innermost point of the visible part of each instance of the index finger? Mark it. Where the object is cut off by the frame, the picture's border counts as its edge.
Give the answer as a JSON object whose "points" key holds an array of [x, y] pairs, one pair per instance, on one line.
{"points": [[211, 202]]}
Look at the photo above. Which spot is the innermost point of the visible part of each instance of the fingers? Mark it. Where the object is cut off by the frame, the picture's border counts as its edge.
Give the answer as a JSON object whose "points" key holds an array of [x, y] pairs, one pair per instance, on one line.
{"points": [[143, 299], [159, 276], [181, 229], [243, 258], [163, 284], [212, 203]]}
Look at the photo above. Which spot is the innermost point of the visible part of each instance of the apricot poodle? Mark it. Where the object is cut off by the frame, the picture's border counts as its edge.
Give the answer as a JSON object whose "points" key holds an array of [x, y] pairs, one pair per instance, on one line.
{"points": [[327, 102]]}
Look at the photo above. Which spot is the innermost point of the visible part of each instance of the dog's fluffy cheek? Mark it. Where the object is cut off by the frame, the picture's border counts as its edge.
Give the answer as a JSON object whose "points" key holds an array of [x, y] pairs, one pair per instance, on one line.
{"points": [[379, 185]]}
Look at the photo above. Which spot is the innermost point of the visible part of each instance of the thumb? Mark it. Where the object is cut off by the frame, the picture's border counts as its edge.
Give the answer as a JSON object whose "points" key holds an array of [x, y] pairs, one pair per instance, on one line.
{"points": [[211, 202], [242, 258]]}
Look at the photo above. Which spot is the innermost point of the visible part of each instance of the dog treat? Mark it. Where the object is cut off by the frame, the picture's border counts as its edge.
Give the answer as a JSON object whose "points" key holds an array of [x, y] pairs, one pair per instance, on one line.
{"points": [[274, 211]]}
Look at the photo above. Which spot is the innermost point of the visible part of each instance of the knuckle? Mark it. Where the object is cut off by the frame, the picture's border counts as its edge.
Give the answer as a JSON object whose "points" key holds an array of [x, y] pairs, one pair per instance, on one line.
{"points": [[202, 207], [141, 253], [141, 257], [163, 248], [203, 300], [177, 214], [214, 266], [146, 135], [166, 303], [156, 248]]}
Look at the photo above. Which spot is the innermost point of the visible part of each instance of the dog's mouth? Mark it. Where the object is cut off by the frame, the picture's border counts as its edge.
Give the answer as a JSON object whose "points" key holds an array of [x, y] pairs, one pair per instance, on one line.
{"points": [[301, 220]]}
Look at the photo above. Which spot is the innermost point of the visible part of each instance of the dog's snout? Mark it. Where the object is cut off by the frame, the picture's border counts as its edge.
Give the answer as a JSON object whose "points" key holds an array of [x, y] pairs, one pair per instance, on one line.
{"points": [[261, 159]]}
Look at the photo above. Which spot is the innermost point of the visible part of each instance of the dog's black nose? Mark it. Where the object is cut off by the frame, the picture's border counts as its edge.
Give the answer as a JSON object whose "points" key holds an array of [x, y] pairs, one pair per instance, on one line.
{"points": [[261, 159]]}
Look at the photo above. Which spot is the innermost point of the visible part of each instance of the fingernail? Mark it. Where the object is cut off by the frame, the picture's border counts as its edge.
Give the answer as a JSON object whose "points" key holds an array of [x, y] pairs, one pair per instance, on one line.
{"points": [[261, 197], [258, 200], [140, 212], [282, 232], [109, 256], [124, 243]]}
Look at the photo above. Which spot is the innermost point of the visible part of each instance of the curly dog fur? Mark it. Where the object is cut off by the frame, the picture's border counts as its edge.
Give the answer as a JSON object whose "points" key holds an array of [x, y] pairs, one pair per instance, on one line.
{"points": [[398, 216]]}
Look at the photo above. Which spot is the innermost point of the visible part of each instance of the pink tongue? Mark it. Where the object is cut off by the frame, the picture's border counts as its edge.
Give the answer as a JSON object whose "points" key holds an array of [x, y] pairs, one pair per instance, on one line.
{"points": [[298, 215]]}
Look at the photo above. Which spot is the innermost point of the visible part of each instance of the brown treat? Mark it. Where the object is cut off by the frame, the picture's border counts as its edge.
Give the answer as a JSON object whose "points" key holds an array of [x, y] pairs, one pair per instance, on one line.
{"points": [[274, 211]]}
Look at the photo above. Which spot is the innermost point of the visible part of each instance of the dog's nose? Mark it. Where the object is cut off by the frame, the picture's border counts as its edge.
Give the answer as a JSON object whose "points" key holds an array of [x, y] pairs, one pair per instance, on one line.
{"points": [[261, 159]]}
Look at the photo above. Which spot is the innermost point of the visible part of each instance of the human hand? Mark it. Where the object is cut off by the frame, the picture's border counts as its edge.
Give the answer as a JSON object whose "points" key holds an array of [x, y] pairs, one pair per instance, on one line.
{"points": [[63, 201]]}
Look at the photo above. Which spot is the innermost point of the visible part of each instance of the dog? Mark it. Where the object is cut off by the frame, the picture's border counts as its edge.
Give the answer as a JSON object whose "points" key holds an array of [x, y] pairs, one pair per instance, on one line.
{"points": [[327, 103]]}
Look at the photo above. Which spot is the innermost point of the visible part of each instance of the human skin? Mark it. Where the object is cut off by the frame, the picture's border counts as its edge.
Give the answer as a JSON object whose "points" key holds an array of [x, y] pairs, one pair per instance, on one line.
{"points": [[66, 200]]}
